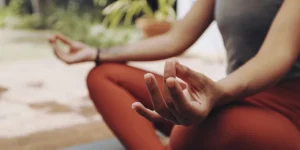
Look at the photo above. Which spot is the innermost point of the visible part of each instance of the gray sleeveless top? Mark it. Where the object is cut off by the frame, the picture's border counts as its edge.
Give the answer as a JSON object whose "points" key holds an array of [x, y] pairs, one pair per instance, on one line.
{"points": [[244, 25]]}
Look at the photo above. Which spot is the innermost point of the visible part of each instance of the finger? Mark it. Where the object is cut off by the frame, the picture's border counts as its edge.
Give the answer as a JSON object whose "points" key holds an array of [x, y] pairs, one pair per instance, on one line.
{"points": [[186, 74], [55, 50], [54, 47], [187, 109], [61, 55], [146, 113], [63, 39], [51, 39], [169, 71], [181, 104], [156, 97]]}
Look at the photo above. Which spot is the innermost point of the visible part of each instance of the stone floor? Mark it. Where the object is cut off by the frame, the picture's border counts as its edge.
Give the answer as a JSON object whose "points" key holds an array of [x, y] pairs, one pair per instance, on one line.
{"points": [[44, 103], [47, 100]]}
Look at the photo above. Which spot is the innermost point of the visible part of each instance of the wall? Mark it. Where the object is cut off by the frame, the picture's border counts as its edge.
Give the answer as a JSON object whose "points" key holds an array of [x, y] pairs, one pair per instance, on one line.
{"points": [[210, 44]]}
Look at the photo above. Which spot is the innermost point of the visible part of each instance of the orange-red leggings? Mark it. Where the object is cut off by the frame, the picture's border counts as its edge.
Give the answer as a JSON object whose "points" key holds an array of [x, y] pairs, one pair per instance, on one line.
{"points": [[269, 120]]}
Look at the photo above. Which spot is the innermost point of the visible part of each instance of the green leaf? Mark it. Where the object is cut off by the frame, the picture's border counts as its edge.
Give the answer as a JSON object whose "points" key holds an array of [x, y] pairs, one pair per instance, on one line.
{"points": [[100, 2], [116, 19], [171, 13], [115, 6], [131, 12], [148, 11]]}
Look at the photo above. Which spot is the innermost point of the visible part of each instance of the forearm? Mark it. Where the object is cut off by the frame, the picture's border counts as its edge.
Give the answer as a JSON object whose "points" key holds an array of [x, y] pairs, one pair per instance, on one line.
{"points": [[182, 35], [155, 48], [278, 53], [261, 72]]}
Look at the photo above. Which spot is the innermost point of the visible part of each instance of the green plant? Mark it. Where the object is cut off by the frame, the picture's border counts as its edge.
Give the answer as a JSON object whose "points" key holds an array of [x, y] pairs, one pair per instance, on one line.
{"points": [[127, 9], [15, 7], [31, 22], [71, 20], [82, 27], [165, 10], [100, 2]]}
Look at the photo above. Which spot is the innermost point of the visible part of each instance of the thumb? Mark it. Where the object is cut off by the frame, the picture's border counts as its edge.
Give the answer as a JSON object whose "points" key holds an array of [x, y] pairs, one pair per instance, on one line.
{"points": [[186, 74], [63, 39], [61, 55]]}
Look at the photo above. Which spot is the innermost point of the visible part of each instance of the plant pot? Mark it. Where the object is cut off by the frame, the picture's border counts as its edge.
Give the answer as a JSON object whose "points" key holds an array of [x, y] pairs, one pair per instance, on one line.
{"points": [[152, 27]]}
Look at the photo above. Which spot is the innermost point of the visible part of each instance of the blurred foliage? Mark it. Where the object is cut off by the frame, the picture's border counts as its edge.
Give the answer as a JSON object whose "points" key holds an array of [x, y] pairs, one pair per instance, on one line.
{"points": [[101, 2], [77, 19], [165, 10], [16, 6], [127, 9]]}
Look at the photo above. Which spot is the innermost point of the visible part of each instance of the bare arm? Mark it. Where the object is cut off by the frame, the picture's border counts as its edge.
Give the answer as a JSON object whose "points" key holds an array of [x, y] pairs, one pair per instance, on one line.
{"points": [[183, 34], [276, 56], [176, 41], [278, 53]]}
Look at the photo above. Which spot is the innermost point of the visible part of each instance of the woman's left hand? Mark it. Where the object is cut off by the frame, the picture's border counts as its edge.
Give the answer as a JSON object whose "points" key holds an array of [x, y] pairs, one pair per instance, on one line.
{"points": [[182, 107], [78, 52]]}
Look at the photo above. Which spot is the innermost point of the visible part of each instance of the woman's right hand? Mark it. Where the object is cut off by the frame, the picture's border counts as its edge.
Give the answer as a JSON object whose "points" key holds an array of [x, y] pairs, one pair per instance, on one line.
{"points": [[78, 52]]}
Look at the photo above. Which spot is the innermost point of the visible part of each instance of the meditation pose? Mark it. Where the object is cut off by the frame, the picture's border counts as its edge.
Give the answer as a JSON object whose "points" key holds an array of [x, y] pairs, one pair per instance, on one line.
{"points": [[255, 107]]}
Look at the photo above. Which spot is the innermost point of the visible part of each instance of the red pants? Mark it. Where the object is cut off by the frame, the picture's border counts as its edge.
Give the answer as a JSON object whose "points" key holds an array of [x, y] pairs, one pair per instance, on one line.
{"points": [[269, 120]]}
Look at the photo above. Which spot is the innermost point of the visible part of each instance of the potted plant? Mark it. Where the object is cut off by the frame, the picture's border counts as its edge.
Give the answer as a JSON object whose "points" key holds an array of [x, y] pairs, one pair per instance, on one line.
{"points": [[151, 23]]}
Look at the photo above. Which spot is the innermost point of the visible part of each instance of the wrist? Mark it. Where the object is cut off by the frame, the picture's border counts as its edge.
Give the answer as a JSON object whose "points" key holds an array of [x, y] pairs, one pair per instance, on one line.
{"points": [[232, 89], [225, 95], [92, 55]]}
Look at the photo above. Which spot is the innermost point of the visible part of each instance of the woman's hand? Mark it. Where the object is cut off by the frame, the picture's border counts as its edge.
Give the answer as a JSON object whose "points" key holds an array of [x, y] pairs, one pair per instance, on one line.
{"points": [[183, 107], [77, 53]]}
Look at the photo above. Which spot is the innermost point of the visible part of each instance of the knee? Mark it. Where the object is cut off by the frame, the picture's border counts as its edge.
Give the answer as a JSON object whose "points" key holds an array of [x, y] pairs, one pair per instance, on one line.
{"points": [[238, 128], [97, 75], [251, 128], [259, 139]]}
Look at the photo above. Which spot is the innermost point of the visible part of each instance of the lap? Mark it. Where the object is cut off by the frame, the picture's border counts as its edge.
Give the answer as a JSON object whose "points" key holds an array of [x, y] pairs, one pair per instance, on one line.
{"points": [[238, 127], [130, 79]]}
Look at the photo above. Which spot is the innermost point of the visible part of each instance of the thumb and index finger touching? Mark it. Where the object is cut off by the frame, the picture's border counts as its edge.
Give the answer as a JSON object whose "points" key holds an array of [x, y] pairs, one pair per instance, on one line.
{"points": [[53, 39], [191, 77], [61, 38], [185, 73], [58, 51], [178, 101]]}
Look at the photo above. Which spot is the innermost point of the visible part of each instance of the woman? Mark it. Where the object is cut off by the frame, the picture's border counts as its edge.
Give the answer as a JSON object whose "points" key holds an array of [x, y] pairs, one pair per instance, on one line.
{"points": [[257, 106]]}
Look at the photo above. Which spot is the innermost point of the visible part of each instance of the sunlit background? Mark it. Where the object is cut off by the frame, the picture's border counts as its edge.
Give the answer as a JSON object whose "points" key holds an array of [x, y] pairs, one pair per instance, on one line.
{"points": [[44, 103]]}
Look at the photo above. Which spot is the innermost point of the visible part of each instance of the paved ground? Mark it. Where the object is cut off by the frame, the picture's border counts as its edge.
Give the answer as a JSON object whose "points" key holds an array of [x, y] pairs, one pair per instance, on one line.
{"points": [[44, 103]]}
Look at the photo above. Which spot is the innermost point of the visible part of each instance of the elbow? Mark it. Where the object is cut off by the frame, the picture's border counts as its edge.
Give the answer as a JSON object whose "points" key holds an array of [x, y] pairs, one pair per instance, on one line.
{"points": [[179, 49], [178, 52], [177, 46], [174, 51]]}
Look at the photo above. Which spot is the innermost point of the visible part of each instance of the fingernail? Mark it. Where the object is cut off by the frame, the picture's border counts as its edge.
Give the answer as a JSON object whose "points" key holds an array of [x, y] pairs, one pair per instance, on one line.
{"points": [[171, 82], [168, 61], [174, 60], [133, 107], [178, 64], [147, 78]]}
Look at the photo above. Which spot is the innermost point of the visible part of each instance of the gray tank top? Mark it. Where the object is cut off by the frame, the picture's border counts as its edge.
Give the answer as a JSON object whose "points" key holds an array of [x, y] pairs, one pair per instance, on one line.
{"points": [[244, 25]]}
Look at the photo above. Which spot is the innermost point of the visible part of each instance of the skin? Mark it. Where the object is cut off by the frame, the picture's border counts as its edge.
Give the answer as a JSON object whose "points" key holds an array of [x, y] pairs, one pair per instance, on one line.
{"points": [[160, 47], [191, 106]]}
